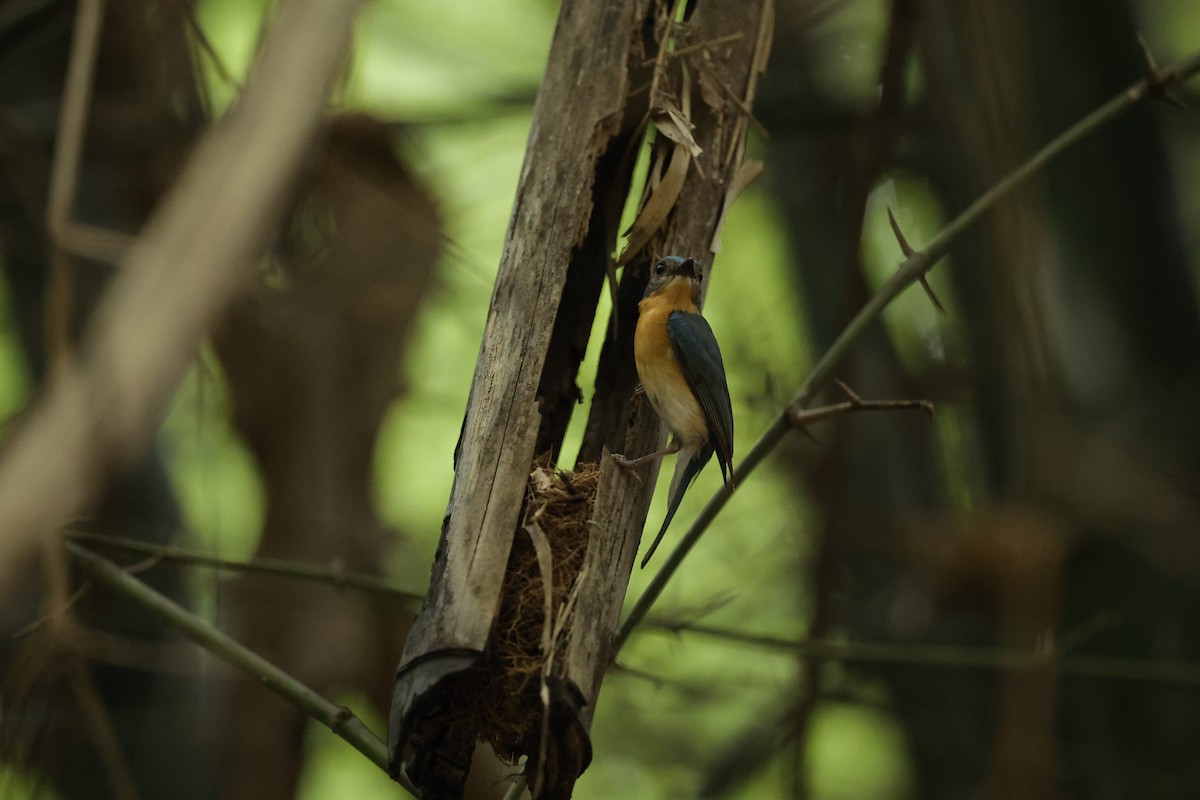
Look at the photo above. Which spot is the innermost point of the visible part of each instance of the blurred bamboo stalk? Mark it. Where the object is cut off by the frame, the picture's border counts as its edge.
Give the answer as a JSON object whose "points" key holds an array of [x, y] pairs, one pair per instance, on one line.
{"points": [[196, 254]]}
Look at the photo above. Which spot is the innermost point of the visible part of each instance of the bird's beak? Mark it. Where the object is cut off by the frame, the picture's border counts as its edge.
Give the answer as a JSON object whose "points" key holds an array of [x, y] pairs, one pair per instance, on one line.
{"points": [[689, 268]]}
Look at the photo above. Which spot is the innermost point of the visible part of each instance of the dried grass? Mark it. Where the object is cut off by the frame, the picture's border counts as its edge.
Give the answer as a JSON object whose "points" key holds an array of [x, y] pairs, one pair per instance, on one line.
{"points": [[505, 707]]}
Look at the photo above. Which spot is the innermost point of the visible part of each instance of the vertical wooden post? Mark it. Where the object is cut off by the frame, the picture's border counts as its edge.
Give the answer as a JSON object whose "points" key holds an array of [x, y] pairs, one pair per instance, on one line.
{"points": [[558, 237], [610, 74]]}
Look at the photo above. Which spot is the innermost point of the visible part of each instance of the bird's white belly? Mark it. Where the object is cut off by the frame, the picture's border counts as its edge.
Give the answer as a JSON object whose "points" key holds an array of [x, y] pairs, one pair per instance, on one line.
{"points": [[677, 406]]}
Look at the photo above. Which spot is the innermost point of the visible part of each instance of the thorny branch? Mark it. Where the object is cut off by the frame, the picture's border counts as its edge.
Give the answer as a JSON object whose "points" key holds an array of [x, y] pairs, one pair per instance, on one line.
{"points": [[1158, 84], [911, 270], [800, 418], [906, 248]]}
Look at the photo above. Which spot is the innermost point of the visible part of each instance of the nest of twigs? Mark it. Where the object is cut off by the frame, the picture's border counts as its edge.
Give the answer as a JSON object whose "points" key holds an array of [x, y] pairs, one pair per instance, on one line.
{"points": [[508, 707]]}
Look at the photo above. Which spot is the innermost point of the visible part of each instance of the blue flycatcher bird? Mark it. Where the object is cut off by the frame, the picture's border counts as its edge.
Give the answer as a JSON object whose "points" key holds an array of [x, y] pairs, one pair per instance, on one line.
{"points": [[684, 378]]}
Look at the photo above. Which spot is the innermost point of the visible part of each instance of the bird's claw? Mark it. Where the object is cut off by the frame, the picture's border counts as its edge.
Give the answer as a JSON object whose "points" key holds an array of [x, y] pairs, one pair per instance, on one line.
{"points": [[627, 465]]}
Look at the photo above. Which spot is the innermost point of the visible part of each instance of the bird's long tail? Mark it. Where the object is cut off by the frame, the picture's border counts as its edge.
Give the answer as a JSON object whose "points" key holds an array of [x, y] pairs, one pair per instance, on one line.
{"points": [[688, 464]]}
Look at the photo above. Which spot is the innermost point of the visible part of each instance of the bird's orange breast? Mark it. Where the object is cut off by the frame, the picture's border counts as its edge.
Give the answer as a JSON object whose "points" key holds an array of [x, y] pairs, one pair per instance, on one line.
{"points": [[665, 386]]}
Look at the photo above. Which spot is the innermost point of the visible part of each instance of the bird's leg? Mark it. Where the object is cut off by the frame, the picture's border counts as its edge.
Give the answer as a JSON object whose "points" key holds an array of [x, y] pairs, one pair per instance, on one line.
{"points": [[634, 463]]}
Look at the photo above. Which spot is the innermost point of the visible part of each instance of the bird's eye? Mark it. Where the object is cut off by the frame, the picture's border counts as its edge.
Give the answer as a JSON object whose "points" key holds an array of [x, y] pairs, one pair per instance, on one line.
{"points": [[660, 268]]}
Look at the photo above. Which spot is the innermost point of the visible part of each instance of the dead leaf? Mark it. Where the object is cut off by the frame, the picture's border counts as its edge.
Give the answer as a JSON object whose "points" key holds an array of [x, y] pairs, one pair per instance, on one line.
{"points": [[672, 123], [762, 48], [654, 212], [545, 558], [762, 52]]}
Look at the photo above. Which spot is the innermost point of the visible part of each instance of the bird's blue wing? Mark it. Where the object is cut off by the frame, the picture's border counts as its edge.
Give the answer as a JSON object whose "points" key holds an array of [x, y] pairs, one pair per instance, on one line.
{"points": [[699, 358]]}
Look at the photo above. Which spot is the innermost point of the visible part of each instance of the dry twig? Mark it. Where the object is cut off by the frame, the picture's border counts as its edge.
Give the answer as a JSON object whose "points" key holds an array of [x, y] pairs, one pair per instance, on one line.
{"points": [[800, 418], [334, 574]]}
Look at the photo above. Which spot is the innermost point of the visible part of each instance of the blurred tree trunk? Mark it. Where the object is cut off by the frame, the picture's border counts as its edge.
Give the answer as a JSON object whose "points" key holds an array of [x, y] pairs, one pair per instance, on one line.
{"points": [[1088, 279], [825, 155], [1124, 322], [143, 113], [313, 369], [983, 123]]}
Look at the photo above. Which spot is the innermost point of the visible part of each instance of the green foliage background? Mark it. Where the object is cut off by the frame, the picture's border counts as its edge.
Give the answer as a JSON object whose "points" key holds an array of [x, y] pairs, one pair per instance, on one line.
{"points": [[461, 75]]}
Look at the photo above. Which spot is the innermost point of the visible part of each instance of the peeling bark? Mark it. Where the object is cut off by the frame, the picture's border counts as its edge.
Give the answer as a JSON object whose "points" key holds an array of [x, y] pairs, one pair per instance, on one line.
{"points": [[531, 349]]}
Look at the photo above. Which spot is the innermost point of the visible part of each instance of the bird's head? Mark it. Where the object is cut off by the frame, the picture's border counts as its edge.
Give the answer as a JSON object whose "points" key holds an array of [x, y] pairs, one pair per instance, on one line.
{"points": [[670, 269]]}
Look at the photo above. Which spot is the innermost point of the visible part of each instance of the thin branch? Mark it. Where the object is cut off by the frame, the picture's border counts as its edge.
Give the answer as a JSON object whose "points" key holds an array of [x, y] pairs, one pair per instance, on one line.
{"points": [[201, 39], [68, 234], [338, 719], [284, 568], [661, 56], [737, 101], [801, 417], [49, 618], [911, 271], [68, 147], [908, 253], [691, 48], [1146, 670]]}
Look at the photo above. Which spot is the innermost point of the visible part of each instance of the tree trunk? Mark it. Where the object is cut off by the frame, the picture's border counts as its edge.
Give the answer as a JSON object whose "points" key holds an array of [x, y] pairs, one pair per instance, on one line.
{"points": [[576, 534]]}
